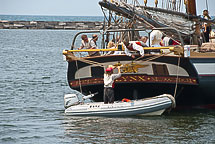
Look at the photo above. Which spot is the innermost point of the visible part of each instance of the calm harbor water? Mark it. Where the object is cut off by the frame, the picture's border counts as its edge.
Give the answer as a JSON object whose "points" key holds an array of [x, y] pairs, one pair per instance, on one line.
{"points": [[32, 85]]}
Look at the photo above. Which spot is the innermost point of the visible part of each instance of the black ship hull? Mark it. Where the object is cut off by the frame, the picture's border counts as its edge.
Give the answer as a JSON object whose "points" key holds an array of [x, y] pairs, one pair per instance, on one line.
{"points": [[167, 74]]}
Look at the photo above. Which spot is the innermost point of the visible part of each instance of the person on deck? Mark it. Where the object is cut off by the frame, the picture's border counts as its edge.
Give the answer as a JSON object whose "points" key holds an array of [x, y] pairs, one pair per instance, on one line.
{"points": [[144, 40], [134, 46], [165, 41], [85, 43], [93, 45], [88, 43], [109, 78], [113, 45], [206, 27], [155, 39]]}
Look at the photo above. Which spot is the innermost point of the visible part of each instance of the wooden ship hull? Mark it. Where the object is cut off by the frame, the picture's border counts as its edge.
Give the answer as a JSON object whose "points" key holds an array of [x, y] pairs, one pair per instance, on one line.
{"points": [[194, 77], [190, 79]]}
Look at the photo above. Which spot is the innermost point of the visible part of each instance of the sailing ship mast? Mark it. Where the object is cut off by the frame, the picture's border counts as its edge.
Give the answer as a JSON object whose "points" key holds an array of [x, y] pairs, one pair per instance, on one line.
{"points": [[191, 9], [191, 5]]}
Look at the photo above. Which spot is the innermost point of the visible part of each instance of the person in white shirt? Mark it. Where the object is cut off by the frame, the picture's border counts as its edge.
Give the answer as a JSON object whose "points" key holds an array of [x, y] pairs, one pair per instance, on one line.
{"points": [[85, 43], [109, 78], [155, 39], [89, 43], [93, 45], [133, 46], [206, 26], [166, 41]]}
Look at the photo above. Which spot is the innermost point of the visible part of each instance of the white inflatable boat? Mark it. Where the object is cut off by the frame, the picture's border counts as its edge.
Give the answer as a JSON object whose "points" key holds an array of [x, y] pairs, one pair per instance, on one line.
{"points": [[148, 106]]}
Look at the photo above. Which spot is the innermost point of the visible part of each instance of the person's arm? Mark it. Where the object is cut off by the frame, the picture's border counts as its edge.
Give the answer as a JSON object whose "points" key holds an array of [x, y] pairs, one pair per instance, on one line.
{"points": [[119, 71], [115, 76], [205, 27], [82, 46]]}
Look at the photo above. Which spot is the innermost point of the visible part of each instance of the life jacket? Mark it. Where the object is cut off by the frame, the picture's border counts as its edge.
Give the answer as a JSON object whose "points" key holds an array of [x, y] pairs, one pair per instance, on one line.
{"points": [[126, 100]]}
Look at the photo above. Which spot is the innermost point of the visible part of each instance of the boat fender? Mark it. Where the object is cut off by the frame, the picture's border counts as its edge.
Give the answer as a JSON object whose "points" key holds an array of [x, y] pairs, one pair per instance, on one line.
{"points": [[172, 99], [126, 100]]}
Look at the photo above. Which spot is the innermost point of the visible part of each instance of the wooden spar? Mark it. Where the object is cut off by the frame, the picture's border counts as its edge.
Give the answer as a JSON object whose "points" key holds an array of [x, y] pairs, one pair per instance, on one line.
{"points": [[191, 4], [129, 14], [184, 15], [191, 7]]}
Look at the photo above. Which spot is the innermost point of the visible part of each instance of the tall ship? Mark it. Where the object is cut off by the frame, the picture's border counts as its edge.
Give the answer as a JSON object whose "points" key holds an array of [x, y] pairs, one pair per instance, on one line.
{"points": [[185, 70]]}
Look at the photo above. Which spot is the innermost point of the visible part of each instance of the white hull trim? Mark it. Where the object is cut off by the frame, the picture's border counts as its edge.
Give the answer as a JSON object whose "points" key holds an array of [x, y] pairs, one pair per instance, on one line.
{"points": [[205, 68]]}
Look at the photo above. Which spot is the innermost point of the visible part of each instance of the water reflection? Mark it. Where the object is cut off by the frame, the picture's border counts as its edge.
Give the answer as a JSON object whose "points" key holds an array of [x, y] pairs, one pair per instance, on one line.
{"points": [[173, 128], [33, 82]]}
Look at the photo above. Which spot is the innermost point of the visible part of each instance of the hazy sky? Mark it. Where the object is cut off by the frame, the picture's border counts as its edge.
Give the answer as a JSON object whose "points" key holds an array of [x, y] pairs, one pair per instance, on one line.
{"points": [[71, 7]]}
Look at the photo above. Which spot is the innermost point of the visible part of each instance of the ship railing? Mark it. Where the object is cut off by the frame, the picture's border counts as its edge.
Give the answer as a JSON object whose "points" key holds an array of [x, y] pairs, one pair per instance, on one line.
{"points": [[102, 33], [120, 47]]}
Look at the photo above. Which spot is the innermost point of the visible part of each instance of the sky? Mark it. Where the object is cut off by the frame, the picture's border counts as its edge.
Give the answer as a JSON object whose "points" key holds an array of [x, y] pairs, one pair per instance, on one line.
{"points": [[72, 7]]}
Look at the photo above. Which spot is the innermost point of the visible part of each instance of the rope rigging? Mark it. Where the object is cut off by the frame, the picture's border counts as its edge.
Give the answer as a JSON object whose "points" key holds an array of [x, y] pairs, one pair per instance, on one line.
{"points": [[132, 21]]}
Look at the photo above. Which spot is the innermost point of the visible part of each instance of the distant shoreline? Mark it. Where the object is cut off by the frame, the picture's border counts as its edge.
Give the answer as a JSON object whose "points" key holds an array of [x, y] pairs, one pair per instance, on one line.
{"points": [[58, 25], [50, 18], [74, 25]]}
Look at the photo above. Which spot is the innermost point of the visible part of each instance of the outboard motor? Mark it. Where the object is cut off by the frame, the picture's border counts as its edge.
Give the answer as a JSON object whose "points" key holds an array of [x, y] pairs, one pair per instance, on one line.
{"points": [[70, 100]]}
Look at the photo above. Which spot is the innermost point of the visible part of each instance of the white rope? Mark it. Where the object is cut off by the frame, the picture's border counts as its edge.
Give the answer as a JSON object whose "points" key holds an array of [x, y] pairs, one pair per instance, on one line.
{"points": [[79, 79], [176, 85]]}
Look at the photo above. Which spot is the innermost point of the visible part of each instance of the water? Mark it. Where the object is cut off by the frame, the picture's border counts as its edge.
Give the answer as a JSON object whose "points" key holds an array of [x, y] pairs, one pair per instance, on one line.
{"points": [[50, 18], [33, 83], [53, 18]]}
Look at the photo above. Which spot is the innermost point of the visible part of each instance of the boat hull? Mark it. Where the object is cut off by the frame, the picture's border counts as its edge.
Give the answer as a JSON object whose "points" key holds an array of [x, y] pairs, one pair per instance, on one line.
{"points": [[151, 106], [194, 88]]}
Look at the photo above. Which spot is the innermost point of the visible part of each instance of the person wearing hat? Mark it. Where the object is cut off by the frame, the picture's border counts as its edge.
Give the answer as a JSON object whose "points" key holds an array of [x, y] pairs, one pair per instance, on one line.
{"points": [[109, 78]]}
